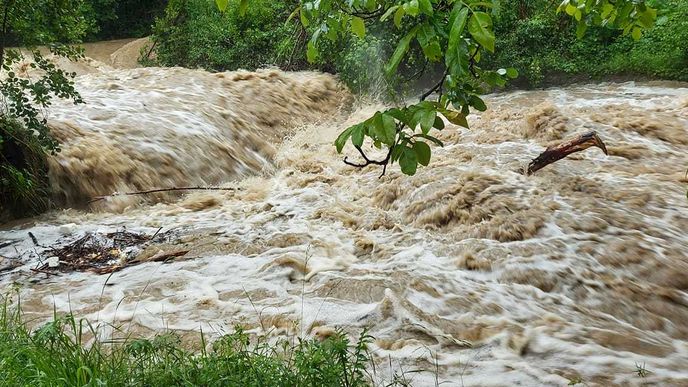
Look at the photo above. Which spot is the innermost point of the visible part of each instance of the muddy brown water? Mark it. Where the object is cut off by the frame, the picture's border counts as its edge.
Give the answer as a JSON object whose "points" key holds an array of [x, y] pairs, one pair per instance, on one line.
{"points": [[578, 271]]}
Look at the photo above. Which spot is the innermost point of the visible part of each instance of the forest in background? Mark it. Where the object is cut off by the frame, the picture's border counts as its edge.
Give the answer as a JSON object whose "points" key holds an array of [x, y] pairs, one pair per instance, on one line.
{"points": [[531, 36]]}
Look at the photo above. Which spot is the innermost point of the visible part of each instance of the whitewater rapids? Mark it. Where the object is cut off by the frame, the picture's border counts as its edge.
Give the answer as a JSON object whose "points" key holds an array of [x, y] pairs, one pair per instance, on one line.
{"points": [[579, 271]]}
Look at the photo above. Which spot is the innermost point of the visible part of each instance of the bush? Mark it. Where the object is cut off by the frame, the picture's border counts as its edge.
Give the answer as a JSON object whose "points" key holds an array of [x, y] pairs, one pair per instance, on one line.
{"points": [[662, 52], [23, 177], [543, 46], [193, 33]]}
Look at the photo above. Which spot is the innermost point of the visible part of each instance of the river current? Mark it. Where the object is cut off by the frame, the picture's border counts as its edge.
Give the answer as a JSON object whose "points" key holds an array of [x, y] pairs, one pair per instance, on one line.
{"points": [[469, 269]]}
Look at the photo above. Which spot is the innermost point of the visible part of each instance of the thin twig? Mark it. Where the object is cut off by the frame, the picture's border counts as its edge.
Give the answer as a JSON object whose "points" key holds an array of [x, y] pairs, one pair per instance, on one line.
{"points": [[156, 234], [438, 86], [98, 198], [384, 162], [44, 272], [5, 244]]}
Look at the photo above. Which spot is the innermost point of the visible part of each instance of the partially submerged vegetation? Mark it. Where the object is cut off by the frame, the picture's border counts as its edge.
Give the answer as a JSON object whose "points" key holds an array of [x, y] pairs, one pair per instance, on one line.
{"points": [[69, 352]]}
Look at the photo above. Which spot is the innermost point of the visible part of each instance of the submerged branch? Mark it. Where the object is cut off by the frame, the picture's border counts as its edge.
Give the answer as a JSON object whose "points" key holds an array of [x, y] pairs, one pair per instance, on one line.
{"points": [[98, 198]]}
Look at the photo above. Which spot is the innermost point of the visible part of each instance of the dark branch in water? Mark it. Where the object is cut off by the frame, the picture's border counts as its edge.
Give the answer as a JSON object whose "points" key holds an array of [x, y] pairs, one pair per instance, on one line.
{"points": [[98, 198], [557, 152]]}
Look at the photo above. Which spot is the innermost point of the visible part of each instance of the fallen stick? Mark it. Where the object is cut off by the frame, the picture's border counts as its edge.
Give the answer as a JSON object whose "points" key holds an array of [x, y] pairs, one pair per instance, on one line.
{"points": [[5, 244], [162, 257], [43, 272], [98, 198], [555, 153], [154, 235]]}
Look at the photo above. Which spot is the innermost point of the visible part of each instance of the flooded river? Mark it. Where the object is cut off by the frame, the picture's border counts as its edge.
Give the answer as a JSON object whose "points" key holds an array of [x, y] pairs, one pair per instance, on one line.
{"points": [[493, 277]]}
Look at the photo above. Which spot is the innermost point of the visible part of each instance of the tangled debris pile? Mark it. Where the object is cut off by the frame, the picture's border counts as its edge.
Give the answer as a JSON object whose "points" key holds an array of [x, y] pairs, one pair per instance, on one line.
{"points": [[102, 253]]}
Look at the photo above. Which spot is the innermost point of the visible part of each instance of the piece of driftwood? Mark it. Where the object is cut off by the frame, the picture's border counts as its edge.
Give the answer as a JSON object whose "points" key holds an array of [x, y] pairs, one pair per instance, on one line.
{"points": [[103, 197], [557, 152], [162, 257]]}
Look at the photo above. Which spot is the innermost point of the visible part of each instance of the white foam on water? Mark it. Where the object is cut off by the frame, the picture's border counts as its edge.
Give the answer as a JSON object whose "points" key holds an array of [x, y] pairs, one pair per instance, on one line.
{"points": [[496, 278]]}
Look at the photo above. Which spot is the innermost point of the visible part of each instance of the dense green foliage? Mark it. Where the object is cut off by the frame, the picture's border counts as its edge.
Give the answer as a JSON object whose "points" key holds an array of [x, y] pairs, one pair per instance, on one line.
{"points": [[531, 36], [194, 34], [32, 22], [543, 45], [111, 19], [57, 354]]}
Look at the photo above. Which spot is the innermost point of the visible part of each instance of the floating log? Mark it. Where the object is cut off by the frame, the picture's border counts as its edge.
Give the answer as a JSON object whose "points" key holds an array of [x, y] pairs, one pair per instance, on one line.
{"points": [[557, 152]]}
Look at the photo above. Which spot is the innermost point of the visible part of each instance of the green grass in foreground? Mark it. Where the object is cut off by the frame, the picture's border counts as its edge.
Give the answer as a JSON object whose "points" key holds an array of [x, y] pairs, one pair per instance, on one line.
{"points": [[57, 354]]}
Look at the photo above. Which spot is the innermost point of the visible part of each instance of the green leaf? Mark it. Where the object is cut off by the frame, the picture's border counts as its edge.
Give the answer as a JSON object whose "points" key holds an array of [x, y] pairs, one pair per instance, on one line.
{"points": [[430, 138], [343, 137], [456, 118], [243, 6], [222, 4], [385, 128], [400, 51], [425, 7], [458, 23], [581, 28], [400, 115], [426, 34], [397, 150], [433, 51], [389, 13], [357, 135], [493, 78], [398, 15], [422, 113], [422, 152], [439, 122], [637, 33], [408, 161], [304, 18], [606, 10], [311, 52], [512, 73], [358, 26], [480, 27], [571, 9], [427, 120], [412, 7], [648, 17], [478, 103]]}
